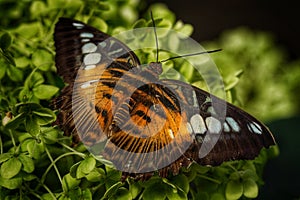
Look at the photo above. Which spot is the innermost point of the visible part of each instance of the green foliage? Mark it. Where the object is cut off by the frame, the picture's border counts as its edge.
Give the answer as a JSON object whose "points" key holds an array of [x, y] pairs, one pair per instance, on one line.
{"points": [[37, 160], [268, 84]]}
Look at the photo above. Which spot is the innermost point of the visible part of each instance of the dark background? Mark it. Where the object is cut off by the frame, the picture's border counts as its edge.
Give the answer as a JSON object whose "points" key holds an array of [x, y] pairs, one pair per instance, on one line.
{"points": [[281, 18], [211, 17]]}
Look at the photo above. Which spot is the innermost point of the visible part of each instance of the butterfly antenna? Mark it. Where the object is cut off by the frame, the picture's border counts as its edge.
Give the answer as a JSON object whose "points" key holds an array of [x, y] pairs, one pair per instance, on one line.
{"points": [[156, 40], [192, 54]]}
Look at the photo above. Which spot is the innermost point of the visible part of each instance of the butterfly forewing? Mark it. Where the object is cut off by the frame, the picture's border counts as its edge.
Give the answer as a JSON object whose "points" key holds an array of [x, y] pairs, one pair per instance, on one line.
{"points": [[83, 53], [168, 123], [218, 137]]}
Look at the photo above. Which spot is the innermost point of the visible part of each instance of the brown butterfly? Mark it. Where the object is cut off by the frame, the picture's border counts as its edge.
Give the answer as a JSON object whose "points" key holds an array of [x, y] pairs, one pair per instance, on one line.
{"points": [[140, 123]]}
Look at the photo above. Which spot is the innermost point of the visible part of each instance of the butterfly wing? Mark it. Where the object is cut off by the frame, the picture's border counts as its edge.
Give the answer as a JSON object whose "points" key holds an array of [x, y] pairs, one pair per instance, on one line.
{"points": [[107, 93], [139, 114], [83, 55], [221, 131], [74, 40]]}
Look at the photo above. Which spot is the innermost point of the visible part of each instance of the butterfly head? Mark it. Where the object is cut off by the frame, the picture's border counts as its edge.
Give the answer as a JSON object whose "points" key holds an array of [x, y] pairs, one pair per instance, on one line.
{"points": [[155, 67]]}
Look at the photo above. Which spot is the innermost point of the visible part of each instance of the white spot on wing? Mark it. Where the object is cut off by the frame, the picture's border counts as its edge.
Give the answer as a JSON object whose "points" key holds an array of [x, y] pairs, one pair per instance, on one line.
{"points": [[78, 25], [92, 58], [255, 127], [102, 44], [226, 127], [198, 124], [195, 100], [233, 124], [88, 48], [88, 84], [214, 125], [86, 35], [88, 67]]}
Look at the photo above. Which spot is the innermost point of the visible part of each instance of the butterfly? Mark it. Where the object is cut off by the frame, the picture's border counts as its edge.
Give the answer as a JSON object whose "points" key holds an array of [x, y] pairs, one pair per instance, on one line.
{"points": [[141, 123]]}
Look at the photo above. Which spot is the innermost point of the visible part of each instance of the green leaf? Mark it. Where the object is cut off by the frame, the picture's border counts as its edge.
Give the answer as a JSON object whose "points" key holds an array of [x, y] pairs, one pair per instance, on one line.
{"points": [[29, 30], [24, 136], [135, 188], [47, 196], [49, 135], [95, 175], [34, 79], [4, 157], [163, 26], [42, 59], [3, 67], [128, 13], [15, 74], [217, 196], [22, 62], [99, 24], [28, 177], [155, 192], [75, 194], [250, 188], [181, 181], [27, 162], [199, 168], [44, 116], [187, 70], [25, 94], [85, 167], [5, 41], [28, 107], [202, 196], [38, 8], [122, 194], [35, 148], [141, 23], [45, 91], [234, 190], [31, 125], [69, 183], [10, 168], [73, 169], [112, 190], [235, 175], [185, 29], [179, 195], [161, 10], [12, 183], [8, 57], [248, 173], [87, 194], [113, 175], [231, 82], [16, 121]]}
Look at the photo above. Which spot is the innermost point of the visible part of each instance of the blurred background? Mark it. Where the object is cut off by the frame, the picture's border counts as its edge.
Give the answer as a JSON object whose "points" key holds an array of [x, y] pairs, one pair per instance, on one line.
{"points": [[210, 18], [276, 23]]}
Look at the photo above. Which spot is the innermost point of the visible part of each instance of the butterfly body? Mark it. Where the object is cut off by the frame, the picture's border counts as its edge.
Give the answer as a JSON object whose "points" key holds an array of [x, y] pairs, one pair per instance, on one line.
{"points": [[146, 124]]}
